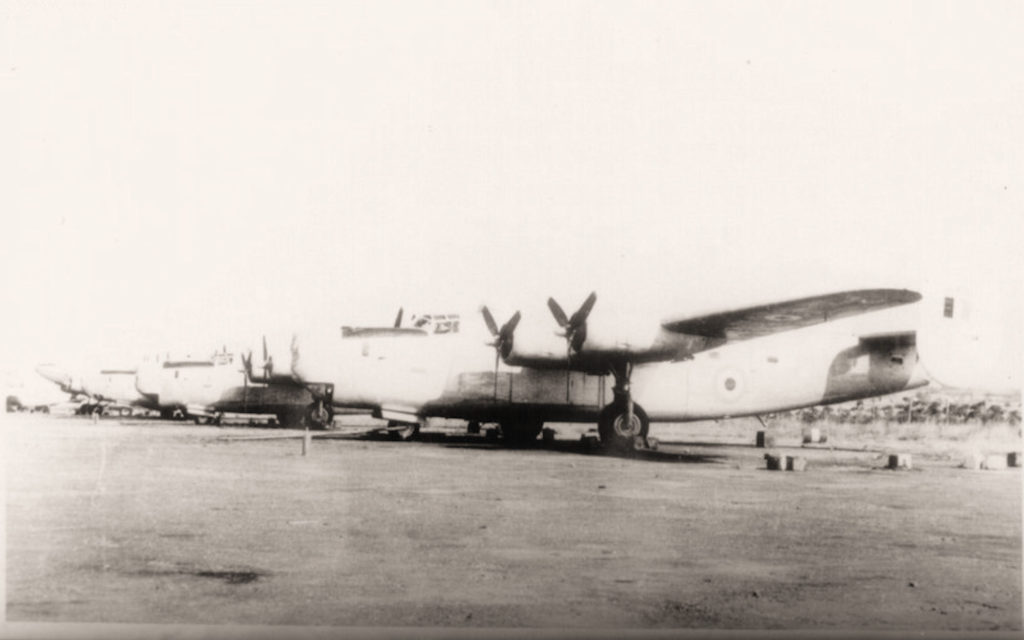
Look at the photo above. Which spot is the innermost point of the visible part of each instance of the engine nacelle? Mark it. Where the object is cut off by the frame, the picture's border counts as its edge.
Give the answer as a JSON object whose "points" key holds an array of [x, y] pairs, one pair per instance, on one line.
{"points": [[603, 345]]}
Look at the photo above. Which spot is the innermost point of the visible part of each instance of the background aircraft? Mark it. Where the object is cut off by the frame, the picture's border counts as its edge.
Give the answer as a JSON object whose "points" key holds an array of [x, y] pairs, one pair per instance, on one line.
{"points": [[735, 362], [103, 388], [207, 388], [321, 411]]}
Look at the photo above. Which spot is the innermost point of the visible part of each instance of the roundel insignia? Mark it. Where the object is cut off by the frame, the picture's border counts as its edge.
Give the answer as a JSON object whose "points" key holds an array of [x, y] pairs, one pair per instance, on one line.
{"points": [[729, 384]]}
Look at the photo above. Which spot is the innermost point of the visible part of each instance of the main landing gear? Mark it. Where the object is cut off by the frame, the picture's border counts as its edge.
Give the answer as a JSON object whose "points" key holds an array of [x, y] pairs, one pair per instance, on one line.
{"points": [[320, 413], [623, 424]]}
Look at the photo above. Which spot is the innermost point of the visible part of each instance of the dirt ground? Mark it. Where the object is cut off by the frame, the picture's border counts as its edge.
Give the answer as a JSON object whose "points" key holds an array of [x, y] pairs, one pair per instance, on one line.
{"points": [[155, 522]]}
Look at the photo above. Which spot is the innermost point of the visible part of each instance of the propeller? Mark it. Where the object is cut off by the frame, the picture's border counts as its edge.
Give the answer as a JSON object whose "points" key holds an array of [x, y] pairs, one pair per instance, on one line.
{"points": [[268, 364], [247, 366], [268, 360], [503, 338], [573, 329], [398, 318]]}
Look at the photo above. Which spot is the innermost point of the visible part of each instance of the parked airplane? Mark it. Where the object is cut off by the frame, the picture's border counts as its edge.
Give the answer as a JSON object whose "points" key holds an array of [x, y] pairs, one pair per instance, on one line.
{"points": [[320, 414], [25, 392], [205, 389], [728, 363], [103, 389]]}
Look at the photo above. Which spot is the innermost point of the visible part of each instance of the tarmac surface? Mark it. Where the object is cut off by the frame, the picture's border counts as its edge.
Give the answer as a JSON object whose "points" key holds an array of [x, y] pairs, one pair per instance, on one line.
{"points": [[136, 521]]}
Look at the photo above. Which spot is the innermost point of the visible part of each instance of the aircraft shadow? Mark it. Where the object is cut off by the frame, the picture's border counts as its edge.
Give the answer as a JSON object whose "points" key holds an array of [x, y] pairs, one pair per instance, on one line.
{"points": [[568, 447]]}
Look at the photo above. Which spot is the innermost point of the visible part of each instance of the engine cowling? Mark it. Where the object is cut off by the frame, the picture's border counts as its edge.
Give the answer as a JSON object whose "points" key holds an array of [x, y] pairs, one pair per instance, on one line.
{"points": [[601, 346]]}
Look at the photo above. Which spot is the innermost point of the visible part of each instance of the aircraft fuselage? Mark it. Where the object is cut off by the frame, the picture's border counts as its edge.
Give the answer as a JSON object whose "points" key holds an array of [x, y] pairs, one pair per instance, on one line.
{"points": [[454, 376]]}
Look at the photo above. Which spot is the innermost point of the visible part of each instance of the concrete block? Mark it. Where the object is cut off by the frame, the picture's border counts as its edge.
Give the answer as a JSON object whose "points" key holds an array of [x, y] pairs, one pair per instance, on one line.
{"points": [[591, 441], [796, 463], [900, 461], [1013, 459], [548, 435], [812, 435], [994, 462], [773, 462], [973, 461], [765, 440]]}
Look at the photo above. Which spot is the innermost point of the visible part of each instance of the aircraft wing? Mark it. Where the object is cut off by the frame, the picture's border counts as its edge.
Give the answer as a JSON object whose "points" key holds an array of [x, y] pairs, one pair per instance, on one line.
{"points": [[762, 320]]}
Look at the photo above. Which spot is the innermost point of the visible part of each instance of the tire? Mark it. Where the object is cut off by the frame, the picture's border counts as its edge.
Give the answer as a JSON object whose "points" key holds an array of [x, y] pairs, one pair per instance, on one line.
{"points": [[404, 432], [614, 434], [521, 433], [319, 417]]}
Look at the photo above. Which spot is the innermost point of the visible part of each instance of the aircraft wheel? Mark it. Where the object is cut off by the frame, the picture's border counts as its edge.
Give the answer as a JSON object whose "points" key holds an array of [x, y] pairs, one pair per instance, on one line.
{"points": [[319, 416], [403, 432], [473, 427], [615, 433], [521, 433]]}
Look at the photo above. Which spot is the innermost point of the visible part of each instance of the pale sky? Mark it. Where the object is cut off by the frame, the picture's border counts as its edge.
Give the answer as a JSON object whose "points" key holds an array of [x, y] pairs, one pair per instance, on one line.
{"points": [[180, 175]]}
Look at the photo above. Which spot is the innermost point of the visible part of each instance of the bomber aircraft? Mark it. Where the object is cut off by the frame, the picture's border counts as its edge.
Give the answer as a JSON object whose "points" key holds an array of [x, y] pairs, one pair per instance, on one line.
{"points": [[104, 389], [726, 363], [206, 389]]}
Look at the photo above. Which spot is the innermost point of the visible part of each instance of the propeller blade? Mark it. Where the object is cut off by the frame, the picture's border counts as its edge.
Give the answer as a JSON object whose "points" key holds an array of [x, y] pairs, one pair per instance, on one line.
{"points": [[581, 314], [398, 318], [556, 311], [492, 326], [510, 326], [264, 348]]}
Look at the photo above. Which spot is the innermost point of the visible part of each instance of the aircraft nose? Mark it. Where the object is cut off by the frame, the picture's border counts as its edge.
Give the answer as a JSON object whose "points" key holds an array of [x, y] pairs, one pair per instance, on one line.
{"points": [[54, 374]]}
